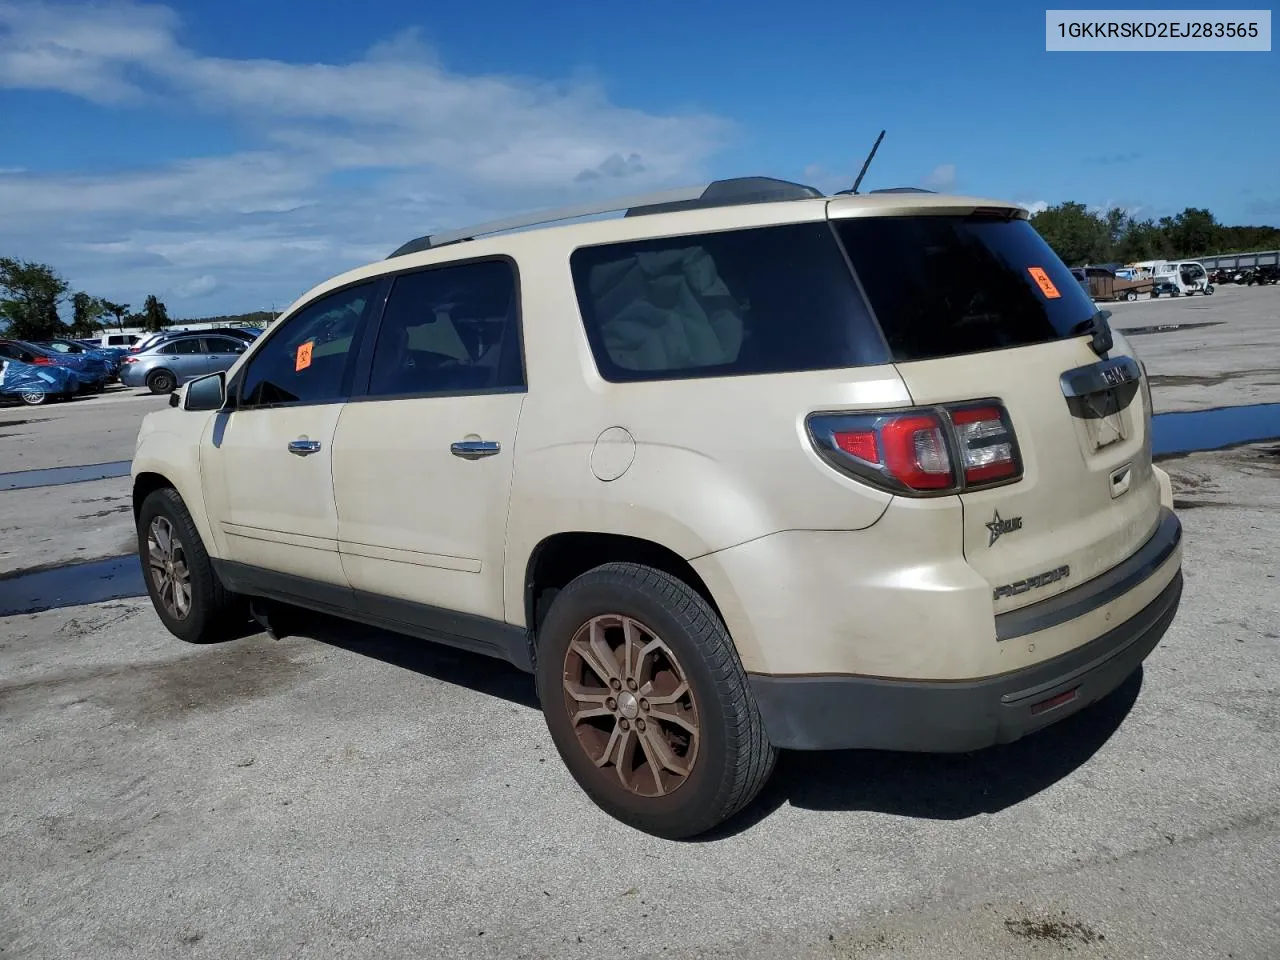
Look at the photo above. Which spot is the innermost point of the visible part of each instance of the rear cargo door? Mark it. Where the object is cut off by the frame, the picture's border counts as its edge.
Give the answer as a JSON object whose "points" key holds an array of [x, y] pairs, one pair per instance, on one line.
{"points": [[978, 307]]}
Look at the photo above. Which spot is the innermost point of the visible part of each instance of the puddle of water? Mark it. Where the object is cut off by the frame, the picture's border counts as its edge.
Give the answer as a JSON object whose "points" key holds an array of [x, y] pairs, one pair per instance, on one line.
{"points": [[1186, 432], [1165, 328], [93, 582], [55, 476]]}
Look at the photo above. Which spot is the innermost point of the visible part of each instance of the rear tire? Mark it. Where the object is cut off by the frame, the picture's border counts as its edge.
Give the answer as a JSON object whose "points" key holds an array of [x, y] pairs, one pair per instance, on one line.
{"points": [[681, 764], [161, 381], [34, 398], [187, 595], [1208, 291]]}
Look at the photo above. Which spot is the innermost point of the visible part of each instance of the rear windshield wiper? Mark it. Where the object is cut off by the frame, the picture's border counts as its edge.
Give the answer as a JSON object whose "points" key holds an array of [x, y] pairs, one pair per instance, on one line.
{"points": [[1099, 329]]}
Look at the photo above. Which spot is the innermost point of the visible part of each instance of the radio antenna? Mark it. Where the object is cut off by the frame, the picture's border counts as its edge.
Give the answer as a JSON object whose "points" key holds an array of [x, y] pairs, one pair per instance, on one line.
{"points": [[871, 156]]}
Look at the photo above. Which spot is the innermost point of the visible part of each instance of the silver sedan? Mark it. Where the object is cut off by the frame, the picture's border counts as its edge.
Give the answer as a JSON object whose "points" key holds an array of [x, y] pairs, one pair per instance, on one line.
{"points": [[166, 366]]}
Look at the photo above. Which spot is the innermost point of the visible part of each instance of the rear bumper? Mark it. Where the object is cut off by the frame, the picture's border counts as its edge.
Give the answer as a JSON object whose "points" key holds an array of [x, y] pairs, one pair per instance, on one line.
{"points": [[840, 712]]}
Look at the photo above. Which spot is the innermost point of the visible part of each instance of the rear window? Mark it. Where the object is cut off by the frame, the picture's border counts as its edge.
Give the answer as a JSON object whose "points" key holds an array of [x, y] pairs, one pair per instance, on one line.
{"points": [[947, 285], [764, 300]]}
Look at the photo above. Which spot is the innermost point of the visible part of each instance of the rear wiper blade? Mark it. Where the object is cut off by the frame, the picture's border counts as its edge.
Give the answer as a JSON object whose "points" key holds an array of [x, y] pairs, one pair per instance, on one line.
{"points": [[1098, 327]]}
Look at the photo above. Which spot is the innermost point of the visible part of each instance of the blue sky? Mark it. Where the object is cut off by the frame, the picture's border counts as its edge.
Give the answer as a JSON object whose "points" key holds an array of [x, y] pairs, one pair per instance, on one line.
{"points": [[228, 155]]}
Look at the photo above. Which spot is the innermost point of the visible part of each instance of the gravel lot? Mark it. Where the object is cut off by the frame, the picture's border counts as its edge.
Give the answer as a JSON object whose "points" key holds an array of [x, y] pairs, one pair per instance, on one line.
{"points": [[344, 792]]}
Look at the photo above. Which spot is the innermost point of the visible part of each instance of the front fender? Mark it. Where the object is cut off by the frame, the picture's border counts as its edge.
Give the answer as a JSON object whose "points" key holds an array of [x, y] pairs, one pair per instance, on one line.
{"points": [[169, 447]]}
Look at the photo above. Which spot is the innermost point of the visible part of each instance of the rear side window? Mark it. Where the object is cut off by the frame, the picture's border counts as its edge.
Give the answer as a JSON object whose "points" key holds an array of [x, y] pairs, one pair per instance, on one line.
{"points": [[450, 330], [765, 300], [947, 285], [191, 345], [308, 358]]}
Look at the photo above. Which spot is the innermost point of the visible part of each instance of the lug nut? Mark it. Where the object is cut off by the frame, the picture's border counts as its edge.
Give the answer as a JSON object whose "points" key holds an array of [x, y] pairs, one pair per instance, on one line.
{"points": [[644, 704], [611, 703], [625, 724], [615, 683], [640, 724], [631, 684]]}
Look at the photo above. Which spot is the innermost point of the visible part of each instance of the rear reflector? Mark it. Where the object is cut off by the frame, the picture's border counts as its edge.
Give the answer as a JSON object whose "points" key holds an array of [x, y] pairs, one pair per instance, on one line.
{"points": [[1044, 706]]}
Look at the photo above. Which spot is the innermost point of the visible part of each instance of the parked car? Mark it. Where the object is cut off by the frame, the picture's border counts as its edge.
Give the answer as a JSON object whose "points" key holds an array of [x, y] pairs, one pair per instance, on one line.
{"points": [[115, 339], [91, 372], [173, 362], [727, 476], [36, 384], [247, 334], [110, 358]]}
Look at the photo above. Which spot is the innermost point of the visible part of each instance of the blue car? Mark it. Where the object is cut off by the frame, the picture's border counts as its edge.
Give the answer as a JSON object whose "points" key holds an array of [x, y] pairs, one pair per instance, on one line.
{"points": [[66, 346], [91, 372], [35, 384]]}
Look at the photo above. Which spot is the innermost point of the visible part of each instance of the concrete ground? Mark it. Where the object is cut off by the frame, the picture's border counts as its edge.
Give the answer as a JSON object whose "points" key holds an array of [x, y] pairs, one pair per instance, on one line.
{"points": [[344, 792], [1234, 362]]}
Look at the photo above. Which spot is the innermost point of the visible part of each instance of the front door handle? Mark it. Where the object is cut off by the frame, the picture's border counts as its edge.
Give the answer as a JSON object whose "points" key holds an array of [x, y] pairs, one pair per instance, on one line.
{"points": [[474, 449], [304, 447]]}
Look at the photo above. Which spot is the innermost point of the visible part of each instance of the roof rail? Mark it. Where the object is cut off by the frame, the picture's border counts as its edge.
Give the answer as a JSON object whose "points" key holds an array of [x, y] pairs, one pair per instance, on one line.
{"points": [[902, 190], [718, 193]]}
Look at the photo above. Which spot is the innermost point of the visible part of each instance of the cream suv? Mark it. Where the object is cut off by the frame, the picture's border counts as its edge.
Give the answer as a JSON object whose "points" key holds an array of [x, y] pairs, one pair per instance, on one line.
{"points": [[748, 469]]}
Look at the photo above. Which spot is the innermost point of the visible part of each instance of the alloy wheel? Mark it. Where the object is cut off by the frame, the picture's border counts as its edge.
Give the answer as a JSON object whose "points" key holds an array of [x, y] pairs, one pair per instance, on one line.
{"points": [[169, 571], [631, 705]]}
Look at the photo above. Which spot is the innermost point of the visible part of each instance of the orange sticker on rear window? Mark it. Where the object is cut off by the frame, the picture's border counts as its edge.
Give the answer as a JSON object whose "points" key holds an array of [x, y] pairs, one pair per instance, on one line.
{"points": [[1044, 283], [304, 356]]}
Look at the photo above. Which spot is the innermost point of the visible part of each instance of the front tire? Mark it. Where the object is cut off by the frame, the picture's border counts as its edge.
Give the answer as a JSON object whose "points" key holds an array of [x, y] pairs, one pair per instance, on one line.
{"points": [[1208, 291], [34, 398], [184, 589], [647, 702], [161, 381]]}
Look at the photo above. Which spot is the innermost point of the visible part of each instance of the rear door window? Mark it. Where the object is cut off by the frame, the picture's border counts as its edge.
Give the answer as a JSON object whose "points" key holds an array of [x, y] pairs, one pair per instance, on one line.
{"points": [[947, 285], [191, 345], [763, 300], [450, 330]]}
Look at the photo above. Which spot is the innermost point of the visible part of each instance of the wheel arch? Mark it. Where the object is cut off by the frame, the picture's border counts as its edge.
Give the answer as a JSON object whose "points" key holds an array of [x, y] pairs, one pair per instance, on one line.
{"points": [[559, 558]]}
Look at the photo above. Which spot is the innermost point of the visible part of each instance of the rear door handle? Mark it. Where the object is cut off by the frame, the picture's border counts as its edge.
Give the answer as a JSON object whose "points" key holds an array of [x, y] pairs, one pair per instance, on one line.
{"points": [[303, 447], [474, 449]]}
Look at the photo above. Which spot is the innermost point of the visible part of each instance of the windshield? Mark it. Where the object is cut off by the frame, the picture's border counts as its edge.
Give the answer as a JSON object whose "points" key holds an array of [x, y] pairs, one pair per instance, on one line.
{"points": [[947, 285]]}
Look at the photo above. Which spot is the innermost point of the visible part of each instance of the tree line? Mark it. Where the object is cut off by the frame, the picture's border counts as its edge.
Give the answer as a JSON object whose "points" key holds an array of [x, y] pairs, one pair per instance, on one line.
{"points": [[31, 293], [1079, 235]]}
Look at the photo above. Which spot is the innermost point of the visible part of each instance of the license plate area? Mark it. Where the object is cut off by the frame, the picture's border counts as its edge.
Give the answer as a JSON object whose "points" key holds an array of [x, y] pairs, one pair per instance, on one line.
{"points": [[1103, 416], [1099, 397]]}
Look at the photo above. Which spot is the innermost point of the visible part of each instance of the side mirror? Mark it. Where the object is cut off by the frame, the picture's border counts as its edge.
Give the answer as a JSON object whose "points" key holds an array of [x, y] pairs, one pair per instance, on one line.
{"points": [[206, 393]]}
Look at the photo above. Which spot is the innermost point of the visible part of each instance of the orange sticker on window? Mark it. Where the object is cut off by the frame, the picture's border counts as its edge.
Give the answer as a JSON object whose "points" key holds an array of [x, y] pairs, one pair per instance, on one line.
{"points": [[1044, 283], [304, 356]]}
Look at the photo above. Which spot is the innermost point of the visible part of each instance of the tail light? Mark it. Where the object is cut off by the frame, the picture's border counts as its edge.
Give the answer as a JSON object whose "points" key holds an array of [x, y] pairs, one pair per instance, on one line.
{"points": [[42, 361], [984, 437], [128, 359], [922, 452]]}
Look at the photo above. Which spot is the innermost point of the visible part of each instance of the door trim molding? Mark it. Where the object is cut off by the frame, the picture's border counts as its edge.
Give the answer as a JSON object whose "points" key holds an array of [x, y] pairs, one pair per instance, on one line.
{"points": [[466, 631]]}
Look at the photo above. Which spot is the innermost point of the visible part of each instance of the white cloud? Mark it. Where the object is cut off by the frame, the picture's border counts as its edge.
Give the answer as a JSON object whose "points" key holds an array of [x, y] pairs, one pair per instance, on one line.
{"points": [[350, 159], [1037, 206], [942, 178], [199, 286]]}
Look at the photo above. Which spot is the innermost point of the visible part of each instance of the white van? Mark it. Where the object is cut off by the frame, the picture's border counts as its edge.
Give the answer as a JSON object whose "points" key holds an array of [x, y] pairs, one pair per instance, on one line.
{"points": [[117, 338], [1177, 277]]}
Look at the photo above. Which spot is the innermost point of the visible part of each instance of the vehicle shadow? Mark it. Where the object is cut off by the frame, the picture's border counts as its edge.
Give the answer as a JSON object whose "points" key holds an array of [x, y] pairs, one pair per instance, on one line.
{"points": [[938, 786], [494, 678], [926, 786]]}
